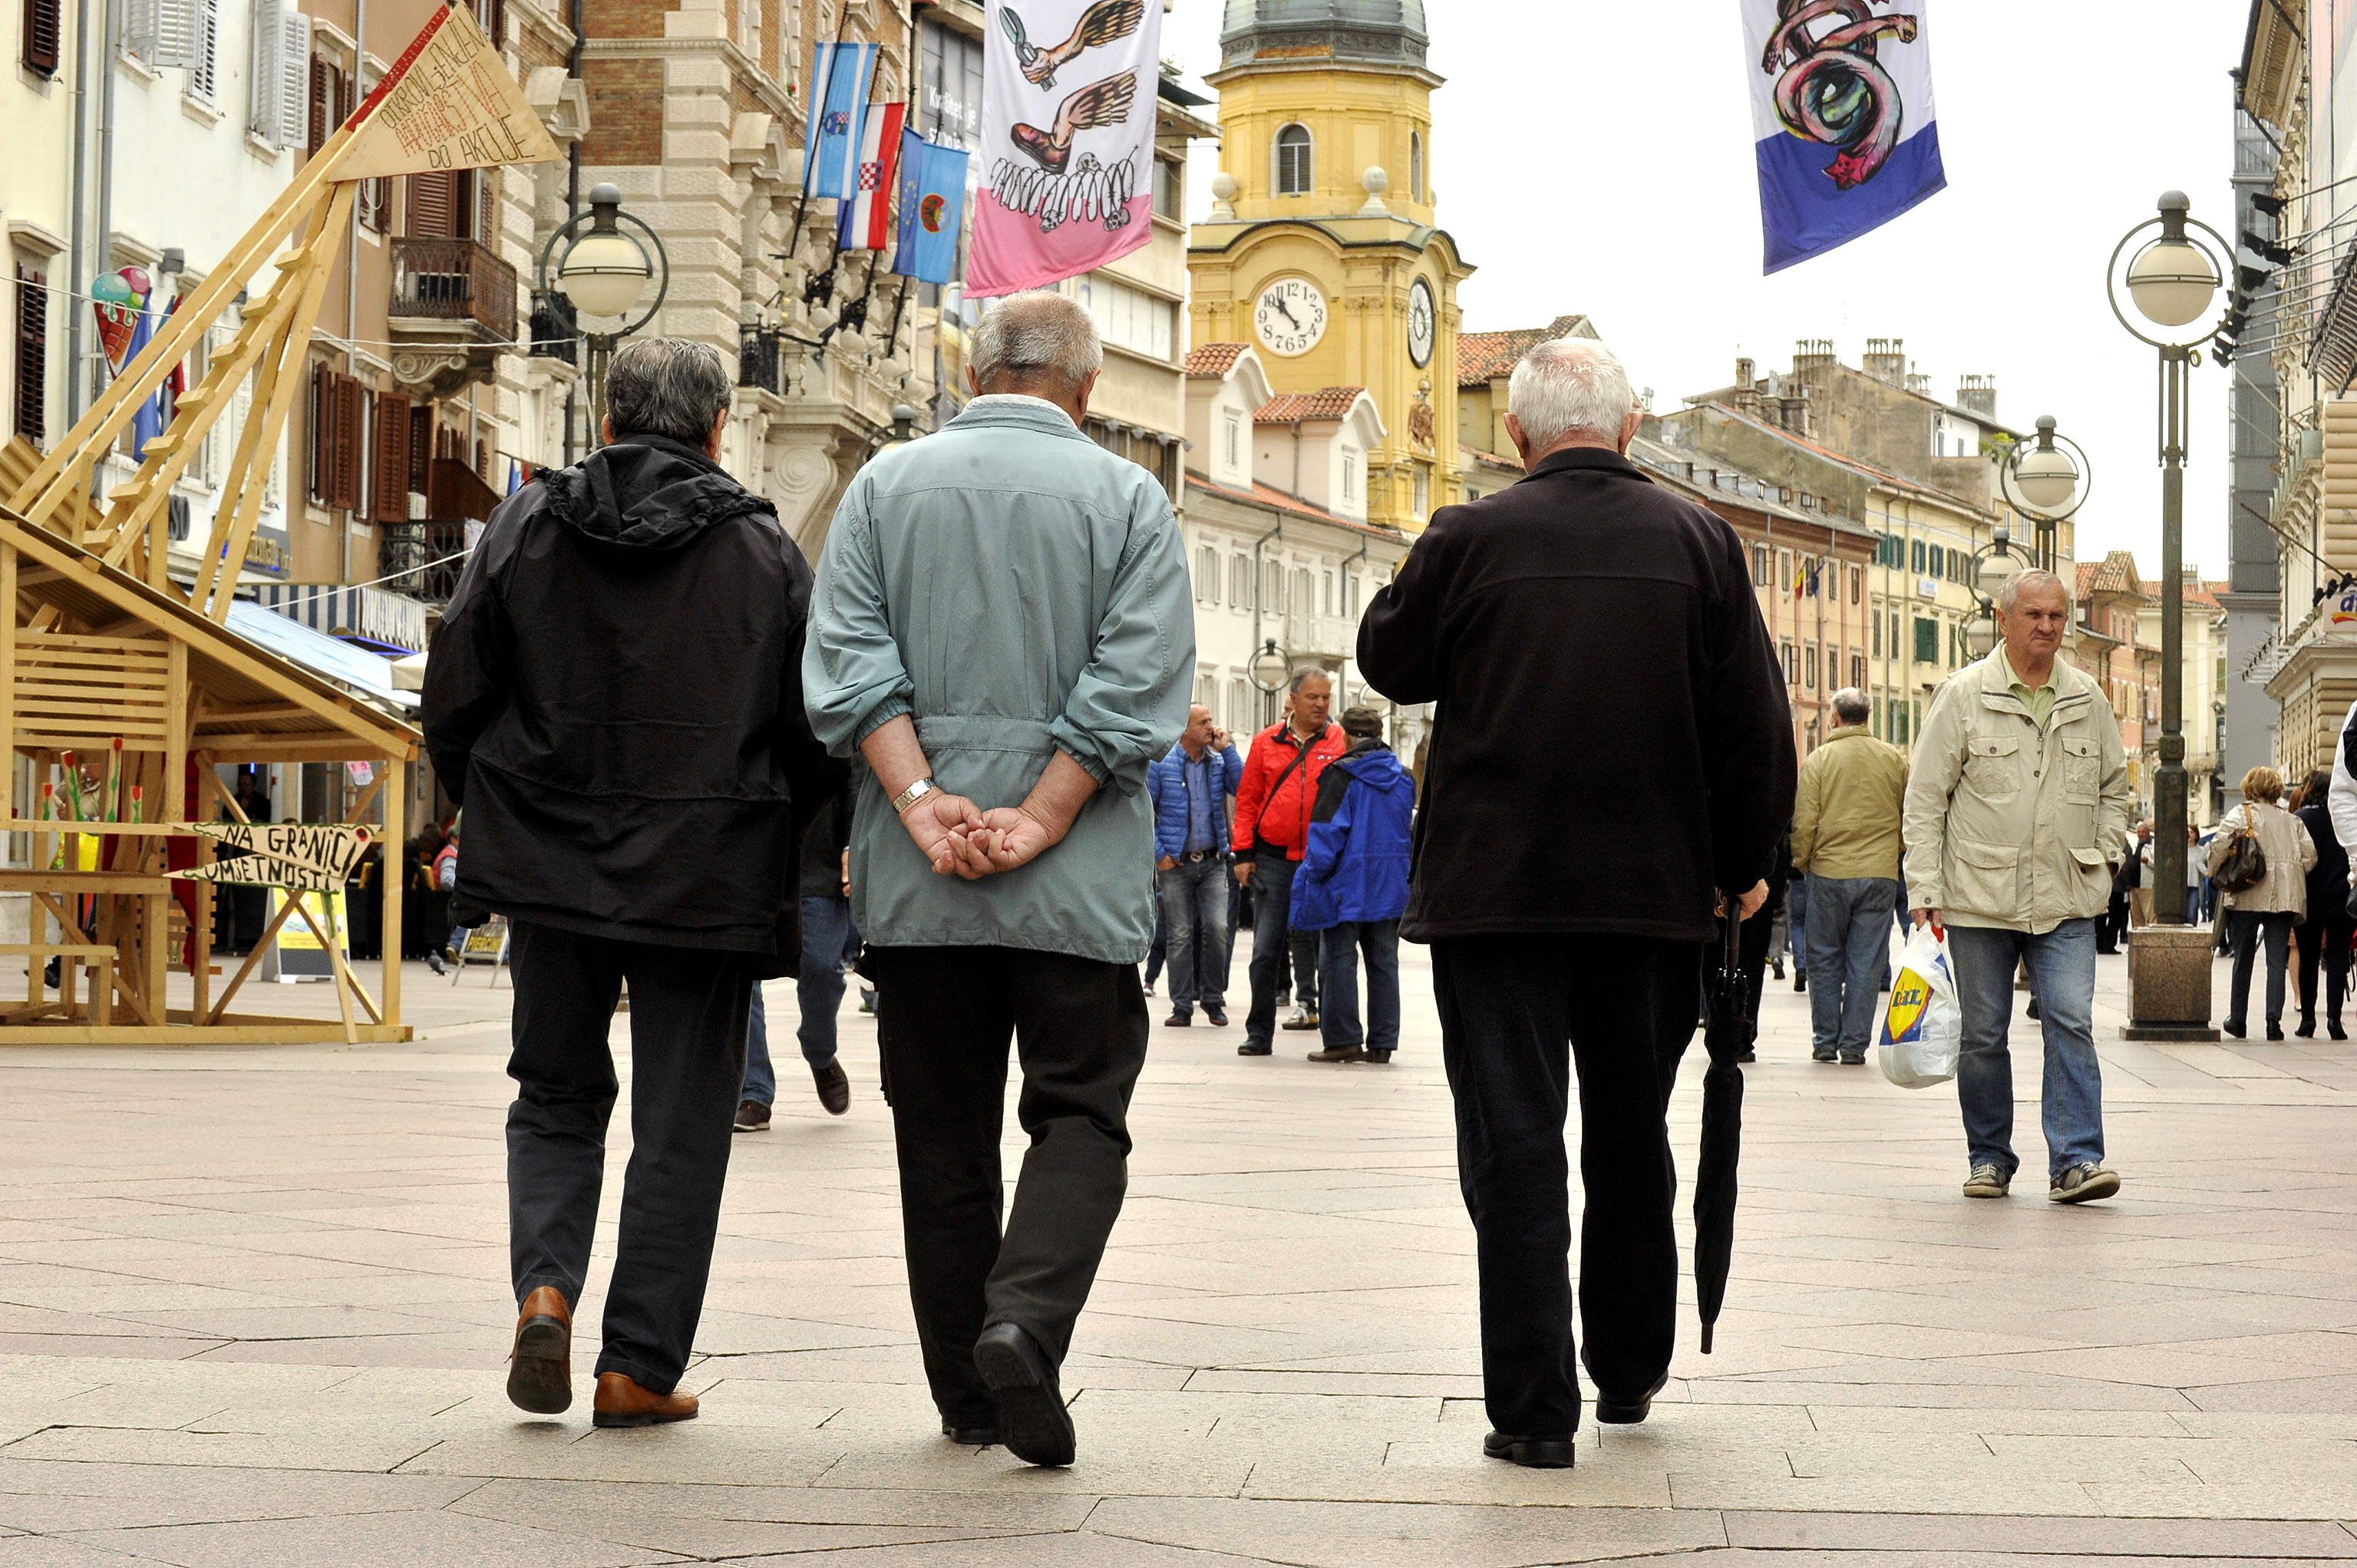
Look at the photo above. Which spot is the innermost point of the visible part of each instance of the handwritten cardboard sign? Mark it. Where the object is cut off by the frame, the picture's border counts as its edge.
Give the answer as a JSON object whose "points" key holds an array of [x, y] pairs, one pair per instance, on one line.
{"points": [[281, 855], [447, 103]]}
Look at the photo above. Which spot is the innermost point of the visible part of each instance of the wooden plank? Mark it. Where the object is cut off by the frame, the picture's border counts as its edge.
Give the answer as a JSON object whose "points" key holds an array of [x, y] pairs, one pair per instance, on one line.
{"points": [[247, 712], [174, 806], [392, 854], [234, 1031], [200, 975], [335, 962], [43, 949], [79, 883], [135, 830], [9, 636]]}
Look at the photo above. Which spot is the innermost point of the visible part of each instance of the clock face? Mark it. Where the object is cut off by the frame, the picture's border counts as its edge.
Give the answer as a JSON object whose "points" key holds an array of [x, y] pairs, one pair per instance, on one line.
{"points": [[1419, 323], [1289, 316]]}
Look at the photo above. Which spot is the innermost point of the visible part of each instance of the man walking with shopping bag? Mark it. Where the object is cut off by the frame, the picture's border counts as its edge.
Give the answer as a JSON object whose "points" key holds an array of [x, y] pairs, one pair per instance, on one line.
{"points": [[2016, 809]]}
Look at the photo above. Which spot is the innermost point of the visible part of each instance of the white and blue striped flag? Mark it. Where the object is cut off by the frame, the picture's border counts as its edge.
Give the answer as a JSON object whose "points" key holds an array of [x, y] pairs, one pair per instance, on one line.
{"points": [[840, 74]]}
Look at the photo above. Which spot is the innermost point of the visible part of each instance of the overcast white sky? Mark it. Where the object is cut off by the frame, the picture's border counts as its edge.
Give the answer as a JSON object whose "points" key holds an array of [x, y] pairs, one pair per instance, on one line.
{"points": [[1597, 158]]}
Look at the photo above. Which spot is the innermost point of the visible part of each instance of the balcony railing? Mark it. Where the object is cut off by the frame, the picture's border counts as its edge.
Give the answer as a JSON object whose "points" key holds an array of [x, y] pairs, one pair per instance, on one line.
{"points": [[556, 333], [1322, 636], [421, 560], [454, 281]]}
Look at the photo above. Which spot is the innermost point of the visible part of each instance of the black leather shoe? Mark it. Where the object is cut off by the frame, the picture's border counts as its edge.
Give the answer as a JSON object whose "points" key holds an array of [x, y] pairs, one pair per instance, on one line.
{"points": [[1537, 1453], [1032, 1421], [1337, 1054], [1178, 1021], [1374, 1058], [1216, 1016], [2234, 1029], [2274, 1031], [1629, 1413], [2333, 1028], [1254, 1048], [984, 1434], [833, 1088], [2307, 1029]]}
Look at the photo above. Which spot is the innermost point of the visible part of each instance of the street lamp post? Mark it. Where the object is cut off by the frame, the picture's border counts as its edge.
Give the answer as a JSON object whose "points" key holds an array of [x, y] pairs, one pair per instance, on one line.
{"points": [[603, 273], [1992, 565], [2170, 280], [2047, 482]]}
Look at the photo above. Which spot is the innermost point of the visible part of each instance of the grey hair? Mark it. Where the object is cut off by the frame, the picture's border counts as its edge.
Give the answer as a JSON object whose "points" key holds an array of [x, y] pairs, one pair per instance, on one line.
{"points": [[1852, 706], [1037, 336], [667, 386], [2008, 593], [1569, 384], [1306, 673]]}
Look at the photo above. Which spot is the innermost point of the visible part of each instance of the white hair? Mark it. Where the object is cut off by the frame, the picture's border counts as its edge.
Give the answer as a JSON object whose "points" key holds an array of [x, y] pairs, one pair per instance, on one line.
{"points": [[2008, 593], [1567, 385], [1852, 706], [1037, 337]]}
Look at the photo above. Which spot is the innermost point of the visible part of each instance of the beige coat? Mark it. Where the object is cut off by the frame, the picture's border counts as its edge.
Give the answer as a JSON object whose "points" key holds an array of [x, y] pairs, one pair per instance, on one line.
{"points": [[2290, 852], [1845, 815], [2009, 825]]}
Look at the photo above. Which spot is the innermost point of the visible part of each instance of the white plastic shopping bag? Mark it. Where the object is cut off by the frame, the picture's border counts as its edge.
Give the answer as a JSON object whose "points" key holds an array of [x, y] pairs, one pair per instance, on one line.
{"points": [[1922, 1027]]}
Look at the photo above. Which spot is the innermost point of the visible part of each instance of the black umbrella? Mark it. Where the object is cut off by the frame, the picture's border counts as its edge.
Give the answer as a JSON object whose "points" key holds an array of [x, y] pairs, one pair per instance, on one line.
{"points": [[1725, 1036]]}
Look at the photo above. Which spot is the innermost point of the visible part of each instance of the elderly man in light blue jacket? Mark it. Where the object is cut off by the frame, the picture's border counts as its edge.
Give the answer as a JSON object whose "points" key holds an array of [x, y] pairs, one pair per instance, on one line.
{"points": [[1003, 632]]}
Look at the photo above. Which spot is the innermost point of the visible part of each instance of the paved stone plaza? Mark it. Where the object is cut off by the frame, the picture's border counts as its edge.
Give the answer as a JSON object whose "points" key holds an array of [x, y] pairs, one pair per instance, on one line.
{"points": [[253, 1311]]}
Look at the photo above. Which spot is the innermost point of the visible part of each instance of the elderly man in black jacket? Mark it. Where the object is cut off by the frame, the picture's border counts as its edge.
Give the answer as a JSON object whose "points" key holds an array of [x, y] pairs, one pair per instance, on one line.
{"points": [[615, 695], [1613, 753]]}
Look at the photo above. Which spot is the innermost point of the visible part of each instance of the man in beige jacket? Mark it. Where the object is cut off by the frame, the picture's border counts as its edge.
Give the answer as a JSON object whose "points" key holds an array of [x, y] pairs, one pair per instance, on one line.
{"points": [[2017, 810], [1846, 837]]}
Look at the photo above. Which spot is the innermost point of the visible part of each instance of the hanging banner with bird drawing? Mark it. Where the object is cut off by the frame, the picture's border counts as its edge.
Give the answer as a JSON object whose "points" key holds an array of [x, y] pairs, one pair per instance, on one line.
{"points": [[1841, 119], [1068, 92]]}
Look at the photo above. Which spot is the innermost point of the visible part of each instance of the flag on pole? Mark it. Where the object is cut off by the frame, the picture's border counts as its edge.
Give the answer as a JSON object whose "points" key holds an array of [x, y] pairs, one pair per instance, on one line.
{"points": [[840, 74], [933, 205], [148, 423], [1068, 93], [1841, 119], [866, 222]]}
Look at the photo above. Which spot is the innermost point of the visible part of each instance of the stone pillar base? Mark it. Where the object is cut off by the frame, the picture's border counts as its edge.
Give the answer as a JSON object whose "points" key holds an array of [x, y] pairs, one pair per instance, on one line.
{"points": [[2169, 983]]}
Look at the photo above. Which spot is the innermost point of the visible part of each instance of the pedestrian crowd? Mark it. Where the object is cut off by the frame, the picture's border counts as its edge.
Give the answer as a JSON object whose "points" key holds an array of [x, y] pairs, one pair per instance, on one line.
{"points": [[959, 756]]}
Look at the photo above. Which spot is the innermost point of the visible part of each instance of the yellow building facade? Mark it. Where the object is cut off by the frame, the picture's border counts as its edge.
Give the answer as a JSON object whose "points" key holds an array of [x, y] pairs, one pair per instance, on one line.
{"points": [[1320, 249]]}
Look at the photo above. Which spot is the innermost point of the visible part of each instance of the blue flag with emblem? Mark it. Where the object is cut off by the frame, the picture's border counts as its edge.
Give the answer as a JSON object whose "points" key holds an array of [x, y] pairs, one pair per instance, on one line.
{"points": [[1842, 122], [840, 74], [933, 205]]}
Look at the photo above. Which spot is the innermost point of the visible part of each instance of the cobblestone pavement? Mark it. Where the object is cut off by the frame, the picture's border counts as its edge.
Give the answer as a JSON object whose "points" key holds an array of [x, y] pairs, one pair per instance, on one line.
{"points": [[252, 1311]]}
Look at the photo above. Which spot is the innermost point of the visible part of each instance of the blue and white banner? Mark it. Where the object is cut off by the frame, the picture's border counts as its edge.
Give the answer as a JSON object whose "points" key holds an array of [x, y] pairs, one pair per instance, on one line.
{"points": [[1841, 119], [840, 74], [933, 205]]}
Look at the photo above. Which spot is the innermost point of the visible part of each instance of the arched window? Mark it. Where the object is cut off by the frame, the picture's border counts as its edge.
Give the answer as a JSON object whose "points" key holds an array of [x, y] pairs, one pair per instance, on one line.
{"points": [[1414, 166], [1294, 162]]}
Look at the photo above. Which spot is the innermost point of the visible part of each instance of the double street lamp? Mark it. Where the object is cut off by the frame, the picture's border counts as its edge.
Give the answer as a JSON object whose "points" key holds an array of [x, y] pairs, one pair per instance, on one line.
{"points": [[2170, 280], [605, 271], [2045, 482]]}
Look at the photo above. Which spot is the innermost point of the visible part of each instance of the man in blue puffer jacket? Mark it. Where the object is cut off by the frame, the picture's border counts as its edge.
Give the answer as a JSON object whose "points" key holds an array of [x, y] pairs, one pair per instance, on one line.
{"points": [[1191, 787], [1352, 890]]}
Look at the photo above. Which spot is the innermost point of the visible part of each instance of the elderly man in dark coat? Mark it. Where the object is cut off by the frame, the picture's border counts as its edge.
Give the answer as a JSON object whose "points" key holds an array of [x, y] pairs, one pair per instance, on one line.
{"points": [[615, 693], [1612, 754]]}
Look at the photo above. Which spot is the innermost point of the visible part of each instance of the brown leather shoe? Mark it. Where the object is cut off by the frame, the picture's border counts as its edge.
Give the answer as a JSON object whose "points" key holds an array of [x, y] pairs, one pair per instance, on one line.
{"points": [[621, 1402], [540, 1370]]}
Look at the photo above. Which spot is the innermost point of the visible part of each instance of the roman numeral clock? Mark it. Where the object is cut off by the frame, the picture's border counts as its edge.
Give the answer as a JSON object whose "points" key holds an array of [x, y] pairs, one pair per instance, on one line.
{"points": [[1289, 316]]}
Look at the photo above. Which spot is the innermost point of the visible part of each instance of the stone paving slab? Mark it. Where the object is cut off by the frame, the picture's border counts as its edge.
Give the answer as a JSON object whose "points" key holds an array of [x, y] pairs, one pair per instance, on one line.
{"points": [[252, 1311]]}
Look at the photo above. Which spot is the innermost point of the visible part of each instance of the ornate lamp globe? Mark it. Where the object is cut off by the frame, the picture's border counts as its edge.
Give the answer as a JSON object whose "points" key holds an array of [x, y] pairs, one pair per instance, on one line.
{"points": [[2173, 279], [605, 271]]}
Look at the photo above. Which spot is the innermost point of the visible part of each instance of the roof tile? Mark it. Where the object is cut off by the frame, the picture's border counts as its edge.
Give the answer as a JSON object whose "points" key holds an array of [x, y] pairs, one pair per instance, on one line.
{"points": [[1326, 402], [1482, 355], [1214, 359]]}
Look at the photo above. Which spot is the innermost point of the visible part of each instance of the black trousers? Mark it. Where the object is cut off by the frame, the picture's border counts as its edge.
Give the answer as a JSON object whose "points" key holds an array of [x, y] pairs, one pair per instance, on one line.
{"points": [[2251, 930], [688, 1014], [1625, 1007], [944, 1016], [2324, 939]]}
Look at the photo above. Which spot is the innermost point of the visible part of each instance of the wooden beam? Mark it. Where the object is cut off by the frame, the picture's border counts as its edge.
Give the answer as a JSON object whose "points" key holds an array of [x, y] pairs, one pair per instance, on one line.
{"points": [[393, 860], [334, 958]]}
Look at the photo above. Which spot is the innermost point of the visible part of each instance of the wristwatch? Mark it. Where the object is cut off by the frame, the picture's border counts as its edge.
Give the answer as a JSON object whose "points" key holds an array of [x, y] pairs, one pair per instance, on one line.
{"points": [[914, 793]]}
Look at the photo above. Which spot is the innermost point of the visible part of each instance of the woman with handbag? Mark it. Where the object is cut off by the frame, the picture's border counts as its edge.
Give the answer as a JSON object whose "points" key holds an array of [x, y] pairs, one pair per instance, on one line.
{"points": [[2261, 858]]}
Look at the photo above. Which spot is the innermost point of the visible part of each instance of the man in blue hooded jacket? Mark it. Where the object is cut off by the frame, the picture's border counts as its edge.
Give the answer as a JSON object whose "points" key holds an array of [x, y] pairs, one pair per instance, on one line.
{"points": [[1352, 890]]}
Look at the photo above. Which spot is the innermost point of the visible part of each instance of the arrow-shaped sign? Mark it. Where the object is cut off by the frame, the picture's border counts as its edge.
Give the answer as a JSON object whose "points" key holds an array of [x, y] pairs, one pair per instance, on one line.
{"points": [[281, 855]]}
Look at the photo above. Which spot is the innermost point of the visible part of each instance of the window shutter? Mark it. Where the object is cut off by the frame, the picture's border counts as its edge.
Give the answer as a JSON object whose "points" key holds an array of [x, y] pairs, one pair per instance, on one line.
{"points": [[42, 24], [204, 71], [322, 106], [175, 23], [32, 355], [487, 197], [393, 465], [421, 444], [432, 207], [348, 443], [139, 23], [321, 410], [293, 62]]}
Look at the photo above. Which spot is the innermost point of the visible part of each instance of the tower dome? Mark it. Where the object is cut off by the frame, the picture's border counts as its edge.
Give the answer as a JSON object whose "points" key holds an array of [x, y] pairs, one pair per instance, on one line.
{"points": [[1368, 32]]}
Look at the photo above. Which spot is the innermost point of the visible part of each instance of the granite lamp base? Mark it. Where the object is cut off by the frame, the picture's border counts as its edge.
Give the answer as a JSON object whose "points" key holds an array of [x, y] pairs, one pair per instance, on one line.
{"points": [[2169, 983]]}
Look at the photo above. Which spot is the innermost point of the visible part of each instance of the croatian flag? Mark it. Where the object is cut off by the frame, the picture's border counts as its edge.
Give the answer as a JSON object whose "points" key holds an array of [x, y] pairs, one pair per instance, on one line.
{"points": [[1841, 119], [840, 74], [933, 205], [865, 223]]}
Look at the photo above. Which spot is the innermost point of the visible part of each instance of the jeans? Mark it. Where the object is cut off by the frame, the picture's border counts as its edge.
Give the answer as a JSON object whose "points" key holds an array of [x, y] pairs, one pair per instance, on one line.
{"points": [[2249, 927], [2324, 938], [1625, 1007], [1194, 897], [1338, 984], [1849, 951], [687, 1060], [2062, 980], [828, 939], [1796, 911], [1272, 937], [944, 1017]]}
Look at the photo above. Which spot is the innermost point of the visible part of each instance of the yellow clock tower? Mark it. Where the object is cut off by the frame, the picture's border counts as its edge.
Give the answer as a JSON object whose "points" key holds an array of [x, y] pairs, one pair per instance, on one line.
{"points": [[1321, 249]]}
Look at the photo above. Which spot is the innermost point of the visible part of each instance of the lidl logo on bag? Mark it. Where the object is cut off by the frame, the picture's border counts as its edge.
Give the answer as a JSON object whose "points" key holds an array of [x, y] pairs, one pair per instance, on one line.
{"points": [[1909, 995]]}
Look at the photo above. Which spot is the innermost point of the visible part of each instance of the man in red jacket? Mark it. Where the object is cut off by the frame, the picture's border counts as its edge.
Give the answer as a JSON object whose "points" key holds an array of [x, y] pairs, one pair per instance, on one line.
{"points": [[1273, 804]]}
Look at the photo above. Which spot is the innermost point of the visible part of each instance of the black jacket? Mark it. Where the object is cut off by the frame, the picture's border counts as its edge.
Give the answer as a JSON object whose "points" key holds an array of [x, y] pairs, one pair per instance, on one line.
{"points": [[824, 842], [2328, 879], [614, 695], [1612, 741]]}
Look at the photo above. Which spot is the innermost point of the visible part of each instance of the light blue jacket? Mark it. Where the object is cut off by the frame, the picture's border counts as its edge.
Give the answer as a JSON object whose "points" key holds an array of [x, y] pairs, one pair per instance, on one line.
{"points": [[1019, 590]]}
